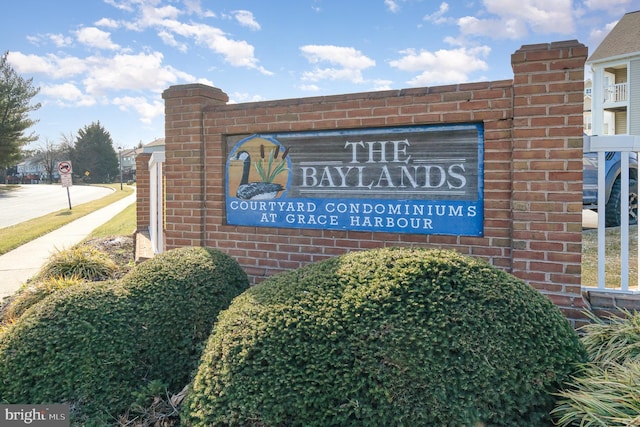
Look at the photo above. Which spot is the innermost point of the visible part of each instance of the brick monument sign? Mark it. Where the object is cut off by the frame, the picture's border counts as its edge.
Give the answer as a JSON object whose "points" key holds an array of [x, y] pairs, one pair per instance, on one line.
{"points": [[489, 169]]}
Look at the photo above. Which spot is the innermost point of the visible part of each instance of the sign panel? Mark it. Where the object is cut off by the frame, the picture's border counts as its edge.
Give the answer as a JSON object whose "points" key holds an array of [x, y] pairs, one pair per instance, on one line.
{"points": [[414, 179], [66, 180], [64, 168]]}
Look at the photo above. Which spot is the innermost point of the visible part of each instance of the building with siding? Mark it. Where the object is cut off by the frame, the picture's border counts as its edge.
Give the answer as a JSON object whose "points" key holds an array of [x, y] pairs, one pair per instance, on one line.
{"points": [[615, 64]]}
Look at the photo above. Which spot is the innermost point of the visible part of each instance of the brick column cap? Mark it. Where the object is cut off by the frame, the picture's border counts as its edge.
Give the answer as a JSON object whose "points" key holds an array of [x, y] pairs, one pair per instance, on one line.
{"points": [[195, 90], [535, 51]]}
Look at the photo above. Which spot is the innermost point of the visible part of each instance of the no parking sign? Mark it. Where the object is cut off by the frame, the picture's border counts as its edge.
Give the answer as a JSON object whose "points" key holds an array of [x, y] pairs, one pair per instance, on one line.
{"points": [[65, 169]]}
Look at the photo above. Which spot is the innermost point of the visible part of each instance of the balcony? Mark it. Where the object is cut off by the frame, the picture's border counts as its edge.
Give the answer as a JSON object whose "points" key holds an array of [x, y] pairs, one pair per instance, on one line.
{"points": [[616, 96]]}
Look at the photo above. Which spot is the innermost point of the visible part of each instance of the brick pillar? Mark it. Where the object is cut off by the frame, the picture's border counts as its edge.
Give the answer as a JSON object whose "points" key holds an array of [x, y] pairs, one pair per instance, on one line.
{"points": [[184, 181], [143, 191], [547, 170]]}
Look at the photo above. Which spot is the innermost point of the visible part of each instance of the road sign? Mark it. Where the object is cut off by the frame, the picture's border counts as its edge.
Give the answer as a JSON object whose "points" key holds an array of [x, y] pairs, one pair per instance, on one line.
{"points": [[64, 168], [66, 180]]}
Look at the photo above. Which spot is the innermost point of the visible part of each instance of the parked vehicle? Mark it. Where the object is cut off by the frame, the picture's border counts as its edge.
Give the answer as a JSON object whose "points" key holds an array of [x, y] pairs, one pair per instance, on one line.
{"points": [[612, 186]]}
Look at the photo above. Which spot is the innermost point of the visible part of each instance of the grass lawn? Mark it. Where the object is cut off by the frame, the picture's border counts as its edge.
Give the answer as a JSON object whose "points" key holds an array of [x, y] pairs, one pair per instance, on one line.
{"points": [[19, 234], [123, 224], [612, 264]]}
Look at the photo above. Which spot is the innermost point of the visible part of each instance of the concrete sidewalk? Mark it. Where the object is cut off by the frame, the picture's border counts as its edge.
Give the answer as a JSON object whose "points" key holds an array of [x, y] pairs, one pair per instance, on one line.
{"points": [[22, 263]]}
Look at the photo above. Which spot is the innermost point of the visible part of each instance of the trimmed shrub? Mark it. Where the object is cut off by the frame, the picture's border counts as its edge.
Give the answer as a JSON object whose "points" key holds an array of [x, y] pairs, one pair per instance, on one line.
{"points": [[74, 347], [96, 346], [385, 337], [178, 297], [32, 293]]}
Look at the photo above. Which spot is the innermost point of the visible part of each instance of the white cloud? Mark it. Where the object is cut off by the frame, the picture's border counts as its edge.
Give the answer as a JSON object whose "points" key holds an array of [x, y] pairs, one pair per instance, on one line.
{"points": [[140, 72], [346, 74], [538, 16], [611, 6], [59, 40], [120, 4], [346, 57], [108, 23], [67, 94], [34, 40], [237, 53], [194, 7], [381, 84], [598, 34], [442, 66], [309, 88], [392, 5], [237, 97], [52, 65], [157, 14], [95, 37], [349, 63], [122, 78], [147, 111], [151, 17], [246, 19], [101, 75], [495, 28], [438, 16], [168, 39]]}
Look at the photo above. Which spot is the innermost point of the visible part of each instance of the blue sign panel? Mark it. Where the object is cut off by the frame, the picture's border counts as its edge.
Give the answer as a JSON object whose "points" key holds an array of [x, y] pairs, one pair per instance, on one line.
{"points": [[411, 179]]}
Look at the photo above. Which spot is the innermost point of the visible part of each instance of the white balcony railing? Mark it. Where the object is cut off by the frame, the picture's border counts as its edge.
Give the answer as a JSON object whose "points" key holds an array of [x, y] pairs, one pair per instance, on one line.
{"points": [[616, 93]]}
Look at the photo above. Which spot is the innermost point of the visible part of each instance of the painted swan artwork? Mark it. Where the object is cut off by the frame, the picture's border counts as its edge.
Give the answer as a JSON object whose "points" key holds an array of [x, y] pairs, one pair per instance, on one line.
{"points": [[254, 190]]}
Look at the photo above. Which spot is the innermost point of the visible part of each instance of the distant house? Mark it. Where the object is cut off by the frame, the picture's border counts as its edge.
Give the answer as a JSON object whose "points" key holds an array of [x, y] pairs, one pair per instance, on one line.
{"points": [[127, 159], [155, 145], [29, 171], [615, 91]]}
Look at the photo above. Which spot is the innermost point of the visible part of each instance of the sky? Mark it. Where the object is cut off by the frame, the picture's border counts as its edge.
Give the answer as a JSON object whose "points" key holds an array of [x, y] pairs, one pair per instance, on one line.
{"points": [[109, 61]]}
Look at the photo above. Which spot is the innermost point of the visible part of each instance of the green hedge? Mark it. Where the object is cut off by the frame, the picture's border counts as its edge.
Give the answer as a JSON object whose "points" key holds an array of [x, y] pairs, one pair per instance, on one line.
{"points": [[95, 346], [33, 292], [385, 337]]}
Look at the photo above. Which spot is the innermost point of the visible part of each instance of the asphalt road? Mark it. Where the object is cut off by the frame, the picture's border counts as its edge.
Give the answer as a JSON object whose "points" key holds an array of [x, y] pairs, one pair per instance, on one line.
{"points": [[34, 200]]}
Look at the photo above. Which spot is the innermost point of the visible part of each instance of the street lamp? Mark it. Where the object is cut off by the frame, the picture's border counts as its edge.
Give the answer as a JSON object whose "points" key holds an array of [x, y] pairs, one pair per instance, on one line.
{"points": [[120, 154]]}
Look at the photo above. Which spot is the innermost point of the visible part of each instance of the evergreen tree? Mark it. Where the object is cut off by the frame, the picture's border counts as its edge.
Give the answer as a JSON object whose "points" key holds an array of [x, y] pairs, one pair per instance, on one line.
{"points": [[15, 98], [93, 156]]}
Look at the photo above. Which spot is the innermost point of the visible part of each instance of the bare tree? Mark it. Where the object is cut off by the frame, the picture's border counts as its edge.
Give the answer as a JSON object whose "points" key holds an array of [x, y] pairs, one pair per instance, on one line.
{"points": [[67, 143], [49, 154]]}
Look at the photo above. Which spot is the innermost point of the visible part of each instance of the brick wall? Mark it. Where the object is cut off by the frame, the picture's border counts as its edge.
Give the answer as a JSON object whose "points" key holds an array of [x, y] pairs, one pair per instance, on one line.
{"points": [[547, 169], [533, 169], [143, 192]]}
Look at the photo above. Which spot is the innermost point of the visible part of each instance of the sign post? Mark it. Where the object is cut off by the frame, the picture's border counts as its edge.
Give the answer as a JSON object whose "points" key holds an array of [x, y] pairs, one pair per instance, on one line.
{"points": [[65, 169]]}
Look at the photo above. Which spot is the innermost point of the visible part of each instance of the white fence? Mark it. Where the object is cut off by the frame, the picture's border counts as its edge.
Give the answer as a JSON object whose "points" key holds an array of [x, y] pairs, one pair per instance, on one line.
{"points": [[624, 144], [156, 188]]}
